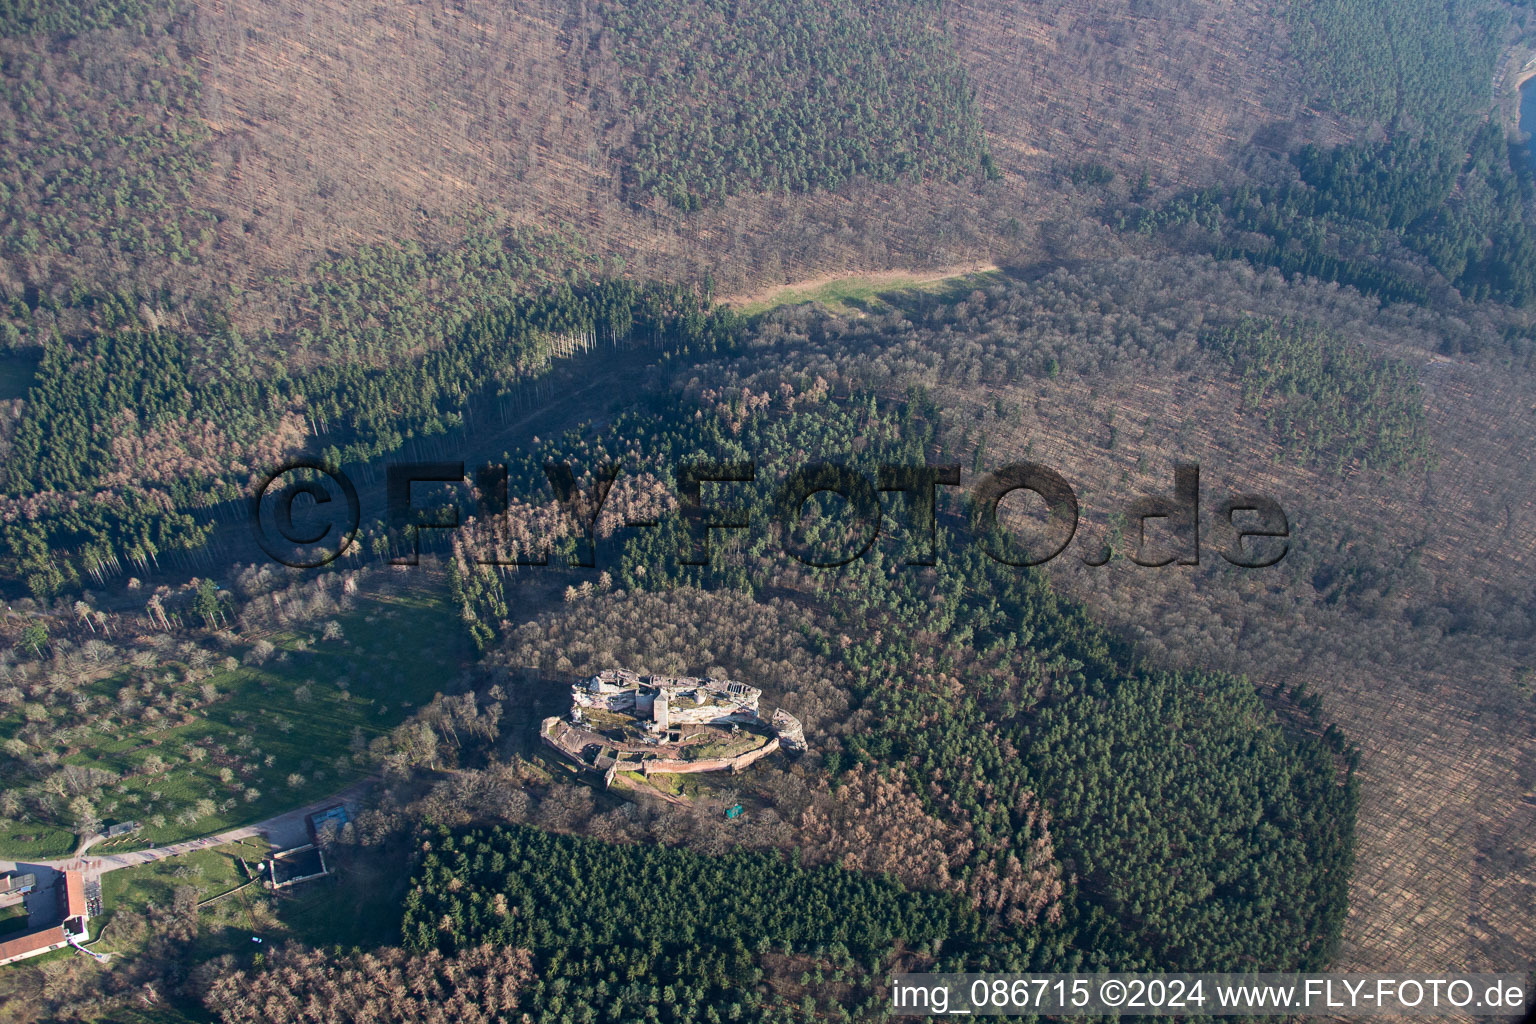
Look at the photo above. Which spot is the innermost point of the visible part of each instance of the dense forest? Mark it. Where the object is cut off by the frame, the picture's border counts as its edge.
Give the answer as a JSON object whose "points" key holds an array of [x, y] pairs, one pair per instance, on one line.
{"points": [[891, 711], [101, 152], [1355, 52], [1445, 192], [1455, 205], [951, 668], [114, 411], [790, 95], [994, 357], [26, 17], [640, 932], [1328, 400]]}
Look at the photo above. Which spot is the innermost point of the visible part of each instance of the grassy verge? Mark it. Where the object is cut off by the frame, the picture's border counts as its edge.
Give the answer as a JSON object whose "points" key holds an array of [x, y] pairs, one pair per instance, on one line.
{"points": [[32, 841]]}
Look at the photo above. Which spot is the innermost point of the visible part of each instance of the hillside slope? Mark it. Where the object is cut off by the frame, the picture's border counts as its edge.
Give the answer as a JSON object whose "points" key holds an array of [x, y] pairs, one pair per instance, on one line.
{"points": [[1177, 89], [338, 123], [304, 131], [239, 229]]}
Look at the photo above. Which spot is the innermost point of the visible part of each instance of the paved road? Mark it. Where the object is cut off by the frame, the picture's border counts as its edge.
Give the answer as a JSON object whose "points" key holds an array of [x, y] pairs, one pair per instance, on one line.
{"points": [[284, 830]]}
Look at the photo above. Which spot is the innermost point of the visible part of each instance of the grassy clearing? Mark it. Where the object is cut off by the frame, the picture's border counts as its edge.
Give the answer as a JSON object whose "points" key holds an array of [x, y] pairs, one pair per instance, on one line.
{"points": [[668, 784], [31, 841], [244, 744], [210, 872], [689, 787], [867, 293]]}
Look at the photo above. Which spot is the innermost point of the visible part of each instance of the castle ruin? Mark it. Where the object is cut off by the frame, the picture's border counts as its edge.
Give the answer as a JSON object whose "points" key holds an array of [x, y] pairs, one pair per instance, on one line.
{"points": [[652, 724]]}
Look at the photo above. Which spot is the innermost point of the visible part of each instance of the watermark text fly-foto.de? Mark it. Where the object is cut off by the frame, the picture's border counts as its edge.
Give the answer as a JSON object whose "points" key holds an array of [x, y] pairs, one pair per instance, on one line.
{"points": [[305, 513]]}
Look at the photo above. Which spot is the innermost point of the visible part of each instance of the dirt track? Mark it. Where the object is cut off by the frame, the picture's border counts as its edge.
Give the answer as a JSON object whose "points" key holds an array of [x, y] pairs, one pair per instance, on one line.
{"points": [[282, 830]]}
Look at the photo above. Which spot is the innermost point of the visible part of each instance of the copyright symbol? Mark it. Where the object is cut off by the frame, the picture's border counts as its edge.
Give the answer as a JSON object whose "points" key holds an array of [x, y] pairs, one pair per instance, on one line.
{"points": [[305, 534], [1112, 992]]}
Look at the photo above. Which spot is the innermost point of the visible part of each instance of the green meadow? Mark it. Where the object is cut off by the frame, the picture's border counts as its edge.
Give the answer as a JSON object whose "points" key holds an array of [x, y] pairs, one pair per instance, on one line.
{"points": [[189, 755], [231, 911]]}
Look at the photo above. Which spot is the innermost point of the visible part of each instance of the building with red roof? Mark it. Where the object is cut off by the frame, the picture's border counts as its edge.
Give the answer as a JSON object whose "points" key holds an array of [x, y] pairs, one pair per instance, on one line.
{"points": [[75, 914]]}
